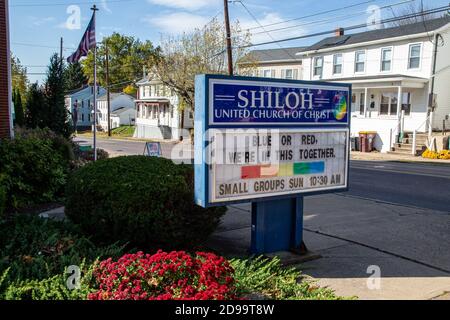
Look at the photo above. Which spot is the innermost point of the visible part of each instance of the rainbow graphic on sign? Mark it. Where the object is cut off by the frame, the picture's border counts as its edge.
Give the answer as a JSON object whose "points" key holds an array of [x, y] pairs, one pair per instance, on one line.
{"points": [[282, 170], [340, 109]]}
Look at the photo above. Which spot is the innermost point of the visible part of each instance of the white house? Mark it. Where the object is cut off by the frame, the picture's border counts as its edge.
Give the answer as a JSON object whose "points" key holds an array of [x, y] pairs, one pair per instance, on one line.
{"points": [[121, 106], [391, 71], [274, 63], [158, 114], [79, 102], [123, 117]]}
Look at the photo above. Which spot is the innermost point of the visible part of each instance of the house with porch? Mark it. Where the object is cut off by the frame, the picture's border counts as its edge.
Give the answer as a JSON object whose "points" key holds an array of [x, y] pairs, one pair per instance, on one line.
{"points": [[400, 78], [158, 114]]}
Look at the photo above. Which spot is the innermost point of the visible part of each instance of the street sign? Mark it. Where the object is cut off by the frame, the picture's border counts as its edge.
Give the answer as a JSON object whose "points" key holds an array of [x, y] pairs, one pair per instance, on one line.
{"points": [[153, 149], [269, 142]]}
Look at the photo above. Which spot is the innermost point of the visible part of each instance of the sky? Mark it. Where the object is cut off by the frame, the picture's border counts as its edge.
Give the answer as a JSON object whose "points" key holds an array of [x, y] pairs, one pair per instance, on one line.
{"points": [[36, 26]]}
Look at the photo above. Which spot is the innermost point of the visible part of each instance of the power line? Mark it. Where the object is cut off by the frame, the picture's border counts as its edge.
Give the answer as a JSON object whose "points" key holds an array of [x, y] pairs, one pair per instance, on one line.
{"points": [[256, 20], [312, 15], [346, 16], [39, 46], [359, 26]]}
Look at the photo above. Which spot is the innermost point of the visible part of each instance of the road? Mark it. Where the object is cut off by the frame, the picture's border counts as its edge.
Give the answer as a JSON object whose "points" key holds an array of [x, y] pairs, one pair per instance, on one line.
{"points": [[412, 184]]}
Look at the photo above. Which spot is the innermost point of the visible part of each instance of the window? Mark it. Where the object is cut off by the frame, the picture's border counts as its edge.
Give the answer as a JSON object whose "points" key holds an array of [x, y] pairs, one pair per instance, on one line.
{"points": [[318, 66], [406, 103], [414, 56], [360, 61], [337, 64], [388, 104], [362, 100], [386, 59], [267, 73], [146, 91]]}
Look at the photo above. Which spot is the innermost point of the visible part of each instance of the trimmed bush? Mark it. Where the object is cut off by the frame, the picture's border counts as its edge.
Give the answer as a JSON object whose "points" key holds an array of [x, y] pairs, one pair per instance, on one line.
{"points": [[34, 168], [147, 201]]}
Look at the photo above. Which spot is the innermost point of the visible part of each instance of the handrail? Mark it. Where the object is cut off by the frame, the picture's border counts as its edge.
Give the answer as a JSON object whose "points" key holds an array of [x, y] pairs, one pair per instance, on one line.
{"points": [[414, 142]]}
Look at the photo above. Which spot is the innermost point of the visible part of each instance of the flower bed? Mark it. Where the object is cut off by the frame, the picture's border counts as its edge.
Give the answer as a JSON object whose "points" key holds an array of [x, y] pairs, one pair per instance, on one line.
{"points": [[165, 276], [443, 155]]}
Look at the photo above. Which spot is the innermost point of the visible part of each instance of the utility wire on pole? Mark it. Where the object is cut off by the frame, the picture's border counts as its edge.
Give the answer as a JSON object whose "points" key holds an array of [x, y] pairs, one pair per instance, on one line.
{"points": [[228, 30], [108, 96]]}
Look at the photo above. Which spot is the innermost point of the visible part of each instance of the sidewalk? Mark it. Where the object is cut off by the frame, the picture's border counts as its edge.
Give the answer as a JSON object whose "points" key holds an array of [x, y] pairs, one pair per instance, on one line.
{"points": [[378, 156], [410, 246]]}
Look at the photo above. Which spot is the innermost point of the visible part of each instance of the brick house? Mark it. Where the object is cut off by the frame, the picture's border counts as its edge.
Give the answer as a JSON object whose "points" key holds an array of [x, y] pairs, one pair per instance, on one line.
{"points": [[5, 73]]}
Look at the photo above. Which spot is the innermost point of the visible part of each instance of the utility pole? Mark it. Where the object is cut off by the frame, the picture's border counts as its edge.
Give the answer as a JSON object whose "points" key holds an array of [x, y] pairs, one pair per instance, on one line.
{"points": [[61, 51], [108, 100], [228, 30]]}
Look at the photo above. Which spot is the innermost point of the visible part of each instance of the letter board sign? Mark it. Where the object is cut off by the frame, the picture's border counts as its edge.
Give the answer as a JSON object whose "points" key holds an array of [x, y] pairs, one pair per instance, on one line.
{"points": [[258, 138]]}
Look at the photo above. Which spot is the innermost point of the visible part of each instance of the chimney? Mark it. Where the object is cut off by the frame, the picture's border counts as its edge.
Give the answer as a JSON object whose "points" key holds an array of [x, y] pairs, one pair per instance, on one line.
{"points": [[339, 32]]}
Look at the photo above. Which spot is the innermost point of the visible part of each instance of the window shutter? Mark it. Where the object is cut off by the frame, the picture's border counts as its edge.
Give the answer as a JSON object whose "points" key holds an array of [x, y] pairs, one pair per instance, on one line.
{"points": [[283, 73], [272, 73], [295, 74]]}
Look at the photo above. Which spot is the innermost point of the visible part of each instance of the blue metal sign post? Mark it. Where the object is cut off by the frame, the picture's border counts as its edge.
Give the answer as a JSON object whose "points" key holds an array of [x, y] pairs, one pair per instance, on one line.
{"points": [[270, 142]]}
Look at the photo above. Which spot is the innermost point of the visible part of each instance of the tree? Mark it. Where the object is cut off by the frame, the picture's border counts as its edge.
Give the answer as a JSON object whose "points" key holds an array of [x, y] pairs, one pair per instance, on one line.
{"points": [[130, 89], [18, 108], [36, 107], [127, 57], [56, 117], [202, 51], [19, 76], [75, 77], [412, 9]]}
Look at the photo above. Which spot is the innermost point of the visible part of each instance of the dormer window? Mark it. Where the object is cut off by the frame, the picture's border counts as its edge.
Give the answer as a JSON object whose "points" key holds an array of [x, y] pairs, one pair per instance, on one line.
{"points": [[318, 66], [360, 61], [414, 56]]}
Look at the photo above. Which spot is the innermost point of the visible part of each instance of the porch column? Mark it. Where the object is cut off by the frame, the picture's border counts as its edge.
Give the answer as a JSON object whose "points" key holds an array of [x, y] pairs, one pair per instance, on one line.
{"points": [[366, 99], [399, 108]]}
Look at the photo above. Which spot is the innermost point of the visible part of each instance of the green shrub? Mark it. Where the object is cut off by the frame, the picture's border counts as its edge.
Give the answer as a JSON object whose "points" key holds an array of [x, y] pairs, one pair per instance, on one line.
{"points": [[269, 278], [34, 167], [146, 201], [52, 288], [2, 198], [37, 248]]}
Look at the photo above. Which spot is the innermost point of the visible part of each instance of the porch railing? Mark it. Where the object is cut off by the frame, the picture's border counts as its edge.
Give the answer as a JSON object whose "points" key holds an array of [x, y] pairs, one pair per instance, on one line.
{"points": [[428, 120]]}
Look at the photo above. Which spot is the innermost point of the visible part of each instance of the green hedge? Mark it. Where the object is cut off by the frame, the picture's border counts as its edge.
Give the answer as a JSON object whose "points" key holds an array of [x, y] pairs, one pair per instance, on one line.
{"points": [[34, 167], [146, 201]]}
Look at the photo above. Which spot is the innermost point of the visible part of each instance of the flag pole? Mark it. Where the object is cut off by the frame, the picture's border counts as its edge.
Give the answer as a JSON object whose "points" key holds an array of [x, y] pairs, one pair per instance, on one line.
{"points": [[94, 8]]}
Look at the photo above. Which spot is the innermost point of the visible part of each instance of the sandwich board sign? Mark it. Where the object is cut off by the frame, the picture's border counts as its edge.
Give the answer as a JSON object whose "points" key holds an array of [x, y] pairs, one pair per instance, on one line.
{"points": [[270, 142], [152, 149]]}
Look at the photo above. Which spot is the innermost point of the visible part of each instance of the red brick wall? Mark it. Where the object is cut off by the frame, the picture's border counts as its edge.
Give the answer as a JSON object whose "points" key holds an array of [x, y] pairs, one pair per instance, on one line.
{"points": [[4, 74]]}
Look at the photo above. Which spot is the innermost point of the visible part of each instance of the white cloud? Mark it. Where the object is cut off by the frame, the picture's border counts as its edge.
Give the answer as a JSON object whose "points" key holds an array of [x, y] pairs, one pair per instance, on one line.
{"points": [[184, 4], [105, 6], [259, 35], [177, 22], [40, 21]]}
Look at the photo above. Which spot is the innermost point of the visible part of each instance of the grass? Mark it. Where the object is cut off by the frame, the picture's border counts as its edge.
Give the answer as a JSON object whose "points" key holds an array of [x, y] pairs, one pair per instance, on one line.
{"points": [[275, 282], [123, 131]]}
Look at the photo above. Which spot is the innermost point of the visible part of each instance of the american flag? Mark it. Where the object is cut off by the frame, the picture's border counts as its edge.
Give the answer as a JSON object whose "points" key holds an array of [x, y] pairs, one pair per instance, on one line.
{"points": [[87, 42]]}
